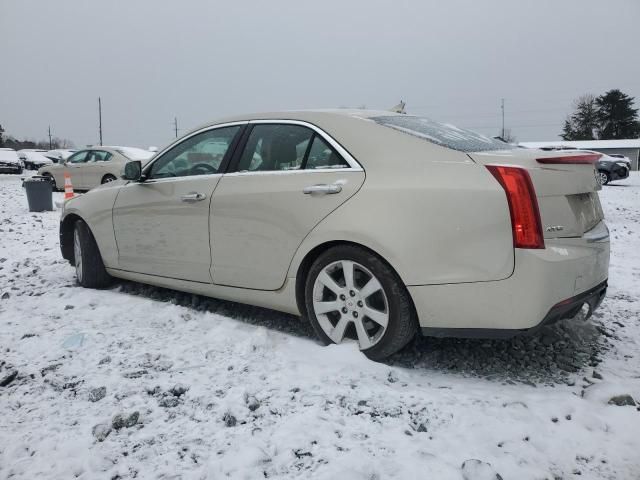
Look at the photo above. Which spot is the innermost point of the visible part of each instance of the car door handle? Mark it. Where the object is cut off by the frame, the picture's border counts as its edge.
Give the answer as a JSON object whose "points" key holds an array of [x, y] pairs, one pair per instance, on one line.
{"points": [[193, 197], [323, 189]]}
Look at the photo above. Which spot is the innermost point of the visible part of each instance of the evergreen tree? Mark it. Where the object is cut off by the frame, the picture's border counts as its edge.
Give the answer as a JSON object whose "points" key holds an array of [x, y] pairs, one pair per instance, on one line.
{"points": [[582, 123], [617, 118], [1, 137]]}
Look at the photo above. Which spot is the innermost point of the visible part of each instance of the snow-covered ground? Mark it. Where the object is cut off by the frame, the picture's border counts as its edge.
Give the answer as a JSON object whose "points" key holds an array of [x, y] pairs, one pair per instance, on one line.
{"points": [[142, 382]]}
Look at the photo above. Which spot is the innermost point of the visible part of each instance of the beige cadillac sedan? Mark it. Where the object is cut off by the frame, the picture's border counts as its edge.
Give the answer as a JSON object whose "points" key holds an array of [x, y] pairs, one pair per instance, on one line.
{"points": [[93, 166], [372, 225]]}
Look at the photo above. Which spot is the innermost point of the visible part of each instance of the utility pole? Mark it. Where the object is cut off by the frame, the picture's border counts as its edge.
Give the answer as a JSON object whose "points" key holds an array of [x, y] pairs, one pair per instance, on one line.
{"points": [[175, 125], [100, 119], [502, 107], [50, 144]]}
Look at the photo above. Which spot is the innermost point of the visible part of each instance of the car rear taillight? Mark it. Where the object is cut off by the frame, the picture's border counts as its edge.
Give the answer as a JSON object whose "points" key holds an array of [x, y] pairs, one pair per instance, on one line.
{"points": [[571, 159], [523, 205]]}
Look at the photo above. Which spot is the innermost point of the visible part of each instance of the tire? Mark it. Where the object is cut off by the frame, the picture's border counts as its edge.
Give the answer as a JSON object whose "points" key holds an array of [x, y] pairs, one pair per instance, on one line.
{"points": [[108, 178], [603, 177], [52, 180], [341, 312], [90, 270]]}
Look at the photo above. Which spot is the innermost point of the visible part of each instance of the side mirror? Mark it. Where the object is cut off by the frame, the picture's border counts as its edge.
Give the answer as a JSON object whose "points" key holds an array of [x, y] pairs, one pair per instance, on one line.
{"points": [[133, 171]]}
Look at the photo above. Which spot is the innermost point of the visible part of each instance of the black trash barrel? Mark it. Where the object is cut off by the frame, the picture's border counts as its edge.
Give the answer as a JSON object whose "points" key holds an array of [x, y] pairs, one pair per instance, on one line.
{"points": [[38, 193]]}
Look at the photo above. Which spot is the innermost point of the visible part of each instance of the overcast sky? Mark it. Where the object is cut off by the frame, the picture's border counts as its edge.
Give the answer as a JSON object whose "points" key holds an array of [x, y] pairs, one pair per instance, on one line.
{"points": [[151, 60]]}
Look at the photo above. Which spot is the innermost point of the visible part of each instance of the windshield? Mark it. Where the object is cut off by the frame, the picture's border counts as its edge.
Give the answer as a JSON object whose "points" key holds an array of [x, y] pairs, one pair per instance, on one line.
{"points": [[443, 134]]}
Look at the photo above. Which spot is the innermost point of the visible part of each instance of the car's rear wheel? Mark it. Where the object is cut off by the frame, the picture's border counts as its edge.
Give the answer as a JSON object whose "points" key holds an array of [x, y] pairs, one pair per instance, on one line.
{"points": [[90, 270], [603, 177], [352, 294], [108, 178]]}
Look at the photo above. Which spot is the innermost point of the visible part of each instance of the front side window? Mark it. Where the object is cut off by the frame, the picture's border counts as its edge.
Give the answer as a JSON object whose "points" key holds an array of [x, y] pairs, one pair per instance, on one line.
{"points": [[79, 157], [201, 154]]}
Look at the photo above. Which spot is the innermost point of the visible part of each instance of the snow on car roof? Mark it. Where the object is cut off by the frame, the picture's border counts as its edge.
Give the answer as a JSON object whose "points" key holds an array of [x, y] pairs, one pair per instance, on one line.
{"points": [[8, 154], [33, 155]]}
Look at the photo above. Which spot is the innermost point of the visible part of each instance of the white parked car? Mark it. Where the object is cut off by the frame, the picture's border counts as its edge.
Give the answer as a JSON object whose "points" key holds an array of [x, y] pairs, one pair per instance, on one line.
{"points": [[373, 225], [93, 166], [9, 161]]}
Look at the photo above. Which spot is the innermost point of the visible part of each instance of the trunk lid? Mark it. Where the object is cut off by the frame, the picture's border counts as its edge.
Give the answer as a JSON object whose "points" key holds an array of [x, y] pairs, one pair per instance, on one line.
{"points": [[567, 193]]}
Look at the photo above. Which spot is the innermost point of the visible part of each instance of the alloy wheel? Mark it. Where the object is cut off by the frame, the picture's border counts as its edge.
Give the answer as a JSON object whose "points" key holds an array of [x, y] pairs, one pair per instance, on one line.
{"points": [[350, 302], [603, 178]]}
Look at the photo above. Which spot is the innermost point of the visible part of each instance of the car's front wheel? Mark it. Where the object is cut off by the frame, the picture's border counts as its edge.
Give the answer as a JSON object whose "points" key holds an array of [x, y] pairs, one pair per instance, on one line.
{"points": [[108, 178], [351, 293], [603, 177], [90, 270]]}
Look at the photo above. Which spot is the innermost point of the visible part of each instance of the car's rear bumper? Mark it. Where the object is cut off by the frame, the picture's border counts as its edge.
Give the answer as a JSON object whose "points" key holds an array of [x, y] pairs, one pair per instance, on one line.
{"points": [[547, 285], [10, 169]]}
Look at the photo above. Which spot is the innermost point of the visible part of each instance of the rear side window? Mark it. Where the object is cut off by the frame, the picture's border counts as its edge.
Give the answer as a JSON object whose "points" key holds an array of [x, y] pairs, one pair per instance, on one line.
{"points": [[321, 155], [441, 134], [99, 156], [284, 147], [275, 147]]}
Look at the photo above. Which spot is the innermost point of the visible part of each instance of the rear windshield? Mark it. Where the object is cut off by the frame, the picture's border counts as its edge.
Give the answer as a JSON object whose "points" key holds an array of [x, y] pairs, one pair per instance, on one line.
{"points": [[442, 134]]}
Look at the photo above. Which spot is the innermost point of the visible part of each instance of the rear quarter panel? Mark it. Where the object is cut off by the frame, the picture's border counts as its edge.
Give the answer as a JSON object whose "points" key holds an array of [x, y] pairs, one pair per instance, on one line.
{"points": [[431, 212]]}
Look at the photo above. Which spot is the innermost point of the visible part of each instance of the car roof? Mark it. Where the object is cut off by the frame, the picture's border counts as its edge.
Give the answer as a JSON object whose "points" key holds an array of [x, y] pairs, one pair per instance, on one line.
{"points": [[304, 115]]}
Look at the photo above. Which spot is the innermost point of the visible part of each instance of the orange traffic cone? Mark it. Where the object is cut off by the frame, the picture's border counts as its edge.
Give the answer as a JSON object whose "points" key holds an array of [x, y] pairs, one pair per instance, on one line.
{"points": [[68, 188]]}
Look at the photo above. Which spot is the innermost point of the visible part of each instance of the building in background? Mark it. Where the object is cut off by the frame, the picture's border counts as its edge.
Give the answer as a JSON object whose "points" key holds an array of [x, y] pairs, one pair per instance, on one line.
{"points": [[628, 148]]}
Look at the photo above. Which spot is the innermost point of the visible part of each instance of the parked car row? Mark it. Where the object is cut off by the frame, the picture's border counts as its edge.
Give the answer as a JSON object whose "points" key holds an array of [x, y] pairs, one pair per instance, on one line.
{"points": [[30, 159]]}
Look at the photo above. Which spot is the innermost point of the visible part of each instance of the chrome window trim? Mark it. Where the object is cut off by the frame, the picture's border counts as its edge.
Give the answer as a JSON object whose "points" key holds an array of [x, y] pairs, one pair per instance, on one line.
{"points": [[176, 179], [159, 155], [353, 163], [296, 171]]}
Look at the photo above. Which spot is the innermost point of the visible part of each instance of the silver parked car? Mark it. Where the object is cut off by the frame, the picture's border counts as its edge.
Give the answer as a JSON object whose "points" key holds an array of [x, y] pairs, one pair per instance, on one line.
{"points": [[93, 166], [373, 225]]}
